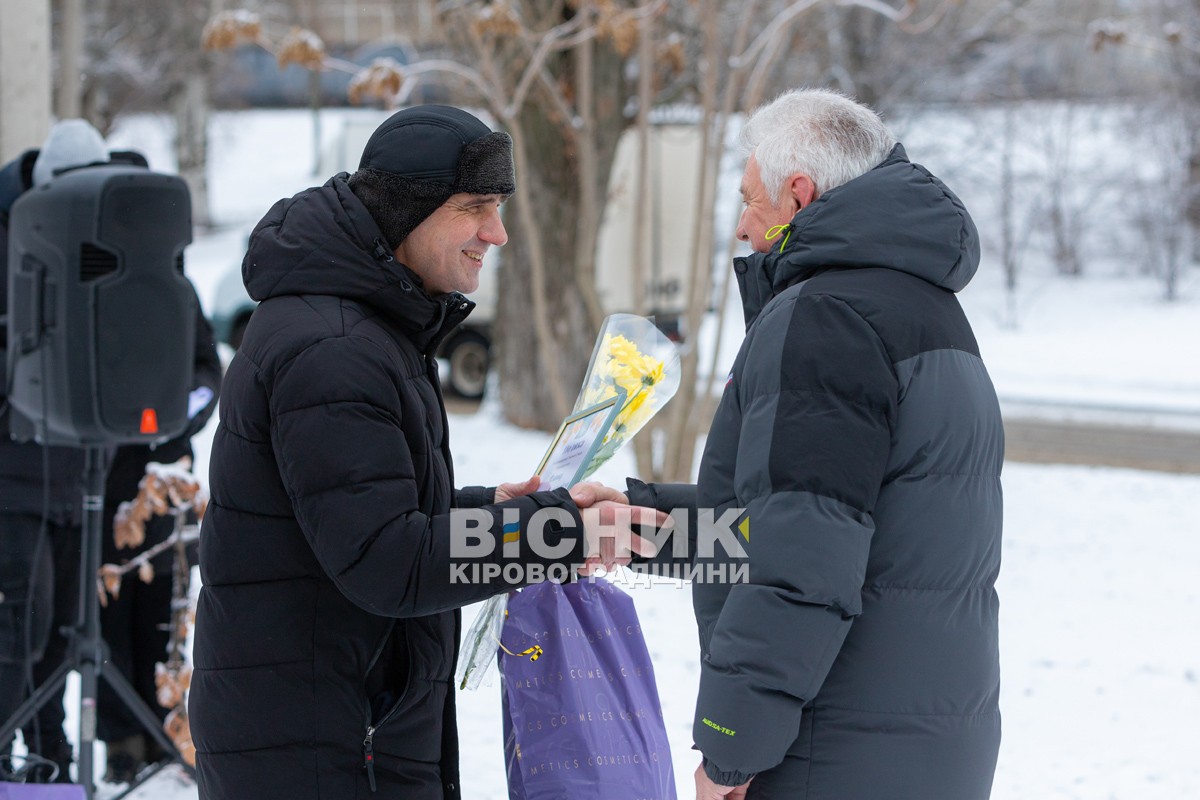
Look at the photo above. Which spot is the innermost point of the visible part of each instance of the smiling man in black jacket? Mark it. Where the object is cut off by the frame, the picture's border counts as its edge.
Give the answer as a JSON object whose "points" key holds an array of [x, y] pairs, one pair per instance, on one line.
{"points": [[328, 625], [860, 432]]}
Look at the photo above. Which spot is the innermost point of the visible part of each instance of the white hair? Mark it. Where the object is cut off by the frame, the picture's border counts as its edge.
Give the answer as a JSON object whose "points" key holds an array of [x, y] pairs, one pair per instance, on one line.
{"points": [[815, 132]]}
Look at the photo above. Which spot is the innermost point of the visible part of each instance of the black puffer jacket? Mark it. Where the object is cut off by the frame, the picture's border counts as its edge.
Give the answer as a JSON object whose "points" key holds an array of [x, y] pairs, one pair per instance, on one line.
{"points": [[326, 634], [861, 433]]}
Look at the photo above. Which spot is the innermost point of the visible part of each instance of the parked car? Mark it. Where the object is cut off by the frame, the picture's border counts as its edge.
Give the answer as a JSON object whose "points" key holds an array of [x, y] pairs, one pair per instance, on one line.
{"points": [[250, 77]]}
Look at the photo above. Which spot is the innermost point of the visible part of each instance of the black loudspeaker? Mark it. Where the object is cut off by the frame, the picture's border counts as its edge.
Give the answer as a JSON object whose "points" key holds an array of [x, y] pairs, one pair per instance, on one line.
{"points": [[102, 321]]}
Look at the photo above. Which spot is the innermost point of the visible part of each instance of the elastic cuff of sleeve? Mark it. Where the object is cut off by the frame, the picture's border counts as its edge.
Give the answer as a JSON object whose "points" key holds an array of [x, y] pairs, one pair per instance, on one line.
{"points": [[640, 493], [476, 496], [724, 778]]}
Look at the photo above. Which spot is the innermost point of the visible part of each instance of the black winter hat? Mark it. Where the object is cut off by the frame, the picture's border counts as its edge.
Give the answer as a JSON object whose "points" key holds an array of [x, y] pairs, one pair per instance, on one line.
{"points": [[421, 156]]}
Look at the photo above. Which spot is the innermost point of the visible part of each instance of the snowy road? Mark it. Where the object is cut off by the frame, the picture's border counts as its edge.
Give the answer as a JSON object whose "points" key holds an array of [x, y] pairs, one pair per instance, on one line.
{"points": [[1137, 446]]}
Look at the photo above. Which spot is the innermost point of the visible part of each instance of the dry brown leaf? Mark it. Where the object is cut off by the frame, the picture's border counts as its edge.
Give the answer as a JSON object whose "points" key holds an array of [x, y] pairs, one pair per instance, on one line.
{"points": [[302, 47], [179, 730], [671, 54], [381, 81], [129, 527], [171, 684], [146, 572], [228, 29], [498, 19], [621, 30], [154, 493], [110, 580]]}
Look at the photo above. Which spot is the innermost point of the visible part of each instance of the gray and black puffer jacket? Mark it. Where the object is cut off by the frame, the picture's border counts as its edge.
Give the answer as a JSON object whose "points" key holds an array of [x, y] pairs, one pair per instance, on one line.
{"points": [[862, 434], [327, 628]]}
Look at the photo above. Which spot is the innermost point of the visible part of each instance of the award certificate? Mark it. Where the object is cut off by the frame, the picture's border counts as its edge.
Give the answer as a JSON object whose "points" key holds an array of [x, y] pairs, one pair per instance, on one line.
{"points": [[577, 440]]}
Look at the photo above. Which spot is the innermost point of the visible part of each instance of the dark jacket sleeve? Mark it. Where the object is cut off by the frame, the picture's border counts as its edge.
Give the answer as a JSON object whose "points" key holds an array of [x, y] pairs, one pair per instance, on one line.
{"points": [[338, 433], [818, 398], [676, 545], [474, 496]]}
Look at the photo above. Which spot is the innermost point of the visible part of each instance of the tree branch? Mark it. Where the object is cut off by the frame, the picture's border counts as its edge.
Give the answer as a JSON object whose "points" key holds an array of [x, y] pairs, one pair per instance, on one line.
{"points": [[588, 224], [774, 31], [475, 78], [535, 69]]}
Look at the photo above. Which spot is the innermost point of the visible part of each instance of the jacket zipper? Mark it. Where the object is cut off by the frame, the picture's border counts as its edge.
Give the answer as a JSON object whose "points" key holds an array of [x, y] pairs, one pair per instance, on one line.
{"points": [[431, 365], [369, 756], [369, 741]]}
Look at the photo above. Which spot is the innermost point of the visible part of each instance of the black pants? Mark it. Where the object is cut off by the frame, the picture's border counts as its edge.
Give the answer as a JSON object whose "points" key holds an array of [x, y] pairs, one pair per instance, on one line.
{"points": [[49, 559], [135, 625]]}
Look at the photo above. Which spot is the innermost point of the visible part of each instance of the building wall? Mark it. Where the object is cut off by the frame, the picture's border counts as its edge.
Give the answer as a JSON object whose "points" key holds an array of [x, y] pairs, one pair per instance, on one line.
{"points": [[347, 22], [24, 75]]}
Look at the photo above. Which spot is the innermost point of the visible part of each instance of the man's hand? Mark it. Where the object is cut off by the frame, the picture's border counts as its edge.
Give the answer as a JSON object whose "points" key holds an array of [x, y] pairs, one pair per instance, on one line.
{"points": [[588, 494], [507, 491], [608, 522], [707, 790]]}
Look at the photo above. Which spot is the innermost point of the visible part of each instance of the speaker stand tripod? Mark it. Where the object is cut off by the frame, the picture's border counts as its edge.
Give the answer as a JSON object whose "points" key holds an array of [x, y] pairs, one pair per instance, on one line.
{"points": [[88, 653]]}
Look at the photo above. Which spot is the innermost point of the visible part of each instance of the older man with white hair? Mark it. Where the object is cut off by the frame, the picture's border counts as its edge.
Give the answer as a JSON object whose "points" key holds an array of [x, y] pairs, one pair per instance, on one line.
{"points": [[861, 434]]}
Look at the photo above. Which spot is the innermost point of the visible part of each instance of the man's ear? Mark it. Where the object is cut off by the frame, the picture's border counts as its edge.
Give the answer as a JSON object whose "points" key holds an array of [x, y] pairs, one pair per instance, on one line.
{"points": [[802, 190]]}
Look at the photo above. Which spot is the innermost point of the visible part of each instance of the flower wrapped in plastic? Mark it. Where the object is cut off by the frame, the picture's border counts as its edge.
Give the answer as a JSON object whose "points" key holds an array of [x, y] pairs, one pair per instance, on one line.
{"points": [[632, 359], [633, 356]]}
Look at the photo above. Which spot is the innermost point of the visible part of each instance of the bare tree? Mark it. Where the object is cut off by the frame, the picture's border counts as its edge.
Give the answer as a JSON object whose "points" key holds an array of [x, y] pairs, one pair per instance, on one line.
{"points": [[1167, 132], [139, 55], [566, 78]]}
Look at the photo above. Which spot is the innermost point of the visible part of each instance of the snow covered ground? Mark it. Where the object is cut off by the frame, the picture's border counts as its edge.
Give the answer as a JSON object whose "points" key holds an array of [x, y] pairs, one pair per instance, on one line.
{"points": [[1100, 610]]}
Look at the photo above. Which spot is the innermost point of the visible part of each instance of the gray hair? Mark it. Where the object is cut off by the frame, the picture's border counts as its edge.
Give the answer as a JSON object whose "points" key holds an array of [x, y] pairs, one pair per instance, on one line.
{"points": [[816, 132]]}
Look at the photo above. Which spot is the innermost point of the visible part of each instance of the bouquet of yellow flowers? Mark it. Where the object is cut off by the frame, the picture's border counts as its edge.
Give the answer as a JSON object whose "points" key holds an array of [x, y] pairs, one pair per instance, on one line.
{"points": [[633, 361], [633, 356]]}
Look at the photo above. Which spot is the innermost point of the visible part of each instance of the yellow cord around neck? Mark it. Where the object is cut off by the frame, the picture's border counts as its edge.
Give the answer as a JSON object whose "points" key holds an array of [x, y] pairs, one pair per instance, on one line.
{"points": [[776, 231]]}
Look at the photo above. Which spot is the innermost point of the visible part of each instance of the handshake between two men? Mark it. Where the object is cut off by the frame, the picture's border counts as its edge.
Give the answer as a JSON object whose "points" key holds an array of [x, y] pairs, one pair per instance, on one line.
{"points": [[609, 523]]}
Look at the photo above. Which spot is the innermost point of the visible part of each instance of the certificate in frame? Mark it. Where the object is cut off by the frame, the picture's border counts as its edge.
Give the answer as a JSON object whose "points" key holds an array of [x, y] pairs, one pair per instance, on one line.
{"points": [[579, 437]]}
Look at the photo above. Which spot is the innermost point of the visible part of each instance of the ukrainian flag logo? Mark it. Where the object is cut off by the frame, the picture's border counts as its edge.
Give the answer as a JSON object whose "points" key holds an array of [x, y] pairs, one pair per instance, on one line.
{"points": [[512, 532]]}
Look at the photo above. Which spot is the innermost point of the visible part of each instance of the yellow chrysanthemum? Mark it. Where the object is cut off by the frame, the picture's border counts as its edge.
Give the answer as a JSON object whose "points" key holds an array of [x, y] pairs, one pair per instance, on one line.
{"points": [[621, 365]]}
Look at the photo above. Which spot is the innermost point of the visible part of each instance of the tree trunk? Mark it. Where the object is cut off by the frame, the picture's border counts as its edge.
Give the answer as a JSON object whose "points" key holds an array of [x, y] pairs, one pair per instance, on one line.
{"points": [[190, 106], [67, 104], [541, 359], [25, 73], [540, 373]]}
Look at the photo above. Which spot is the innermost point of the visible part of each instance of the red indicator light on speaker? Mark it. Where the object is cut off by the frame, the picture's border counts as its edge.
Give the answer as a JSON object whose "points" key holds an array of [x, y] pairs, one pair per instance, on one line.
{"points": [[149, 420]]}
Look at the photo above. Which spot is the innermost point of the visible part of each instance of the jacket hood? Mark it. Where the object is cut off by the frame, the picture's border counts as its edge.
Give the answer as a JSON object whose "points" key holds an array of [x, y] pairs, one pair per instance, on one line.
{"points": [[896, 216], [323, 241]]}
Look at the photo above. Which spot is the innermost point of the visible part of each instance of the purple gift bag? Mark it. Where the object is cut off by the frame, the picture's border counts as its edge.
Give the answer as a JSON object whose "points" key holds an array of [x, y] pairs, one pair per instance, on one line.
{"points": [[582, 718], [40, 791]]}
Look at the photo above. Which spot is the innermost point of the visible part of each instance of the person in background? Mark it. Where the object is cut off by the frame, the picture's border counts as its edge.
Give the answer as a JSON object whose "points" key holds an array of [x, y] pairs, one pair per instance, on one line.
{"points": [[40, 520], [136, 623], [40, 498], [861, 436], [328, 624]]}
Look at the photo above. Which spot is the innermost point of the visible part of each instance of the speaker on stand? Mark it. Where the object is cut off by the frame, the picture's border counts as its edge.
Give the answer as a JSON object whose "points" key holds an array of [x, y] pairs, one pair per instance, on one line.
{"points": [[101, 336]]}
